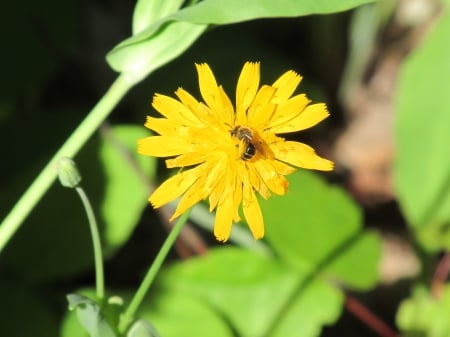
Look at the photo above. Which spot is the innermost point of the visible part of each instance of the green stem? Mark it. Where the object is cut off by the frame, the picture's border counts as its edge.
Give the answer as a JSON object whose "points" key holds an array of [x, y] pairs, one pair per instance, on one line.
{"points": [[151, 273], [98, 256], [72, 145]]}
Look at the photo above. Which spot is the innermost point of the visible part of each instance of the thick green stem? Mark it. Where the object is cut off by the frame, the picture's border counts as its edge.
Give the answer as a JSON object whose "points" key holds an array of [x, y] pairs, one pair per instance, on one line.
{"points": [[151, 273], [97, 246], [73, 144]]}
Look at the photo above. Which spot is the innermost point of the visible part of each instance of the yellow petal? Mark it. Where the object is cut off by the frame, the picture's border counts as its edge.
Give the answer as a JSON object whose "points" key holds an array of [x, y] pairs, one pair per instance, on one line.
{"points": [[187, 159], [261, 110], [254, 179], [173, 187], [275, 182], [246, 89], [174, 110], [224, 218], [193, 195], [312, 115], [301, 155], [287, 111], [252, 213], [286, 85], [166, 127], [162, 146], [214, 95]]}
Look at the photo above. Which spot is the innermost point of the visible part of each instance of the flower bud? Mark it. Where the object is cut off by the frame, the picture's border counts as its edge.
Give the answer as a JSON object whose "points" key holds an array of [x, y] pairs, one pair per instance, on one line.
{"points": [[68, 173]]}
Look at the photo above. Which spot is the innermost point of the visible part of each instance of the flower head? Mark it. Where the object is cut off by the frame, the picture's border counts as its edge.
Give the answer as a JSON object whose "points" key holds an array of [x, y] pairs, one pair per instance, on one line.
{"points": [[228, 153]]}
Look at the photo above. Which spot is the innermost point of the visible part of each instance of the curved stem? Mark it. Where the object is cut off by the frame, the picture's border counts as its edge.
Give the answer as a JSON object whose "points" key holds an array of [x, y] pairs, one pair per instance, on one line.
{"points": [[98, 256], [72, 145], [151, 273]]}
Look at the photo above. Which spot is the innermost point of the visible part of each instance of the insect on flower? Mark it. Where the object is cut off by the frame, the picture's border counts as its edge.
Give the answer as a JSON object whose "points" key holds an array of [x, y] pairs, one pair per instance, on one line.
{"points": [[229, 154]]}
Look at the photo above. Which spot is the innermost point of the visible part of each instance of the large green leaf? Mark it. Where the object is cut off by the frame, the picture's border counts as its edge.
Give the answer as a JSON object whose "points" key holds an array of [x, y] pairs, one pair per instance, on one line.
{"points": [[167, 37], [258, 295], [422, 170], [183, 315], [221, 12], [317, 227]]}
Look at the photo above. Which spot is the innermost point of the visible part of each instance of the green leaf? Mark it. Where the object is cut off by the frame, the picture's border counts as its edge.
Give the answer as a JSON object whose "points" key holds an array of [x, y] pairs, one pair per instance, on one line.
{"points": [[423, 315], [221, 12], [317, 227], [146, 12], [138, 59], [422, 168], [258, 295], [183, 315], [142, 328], [89, 316], [126, 192], [163, 40]]}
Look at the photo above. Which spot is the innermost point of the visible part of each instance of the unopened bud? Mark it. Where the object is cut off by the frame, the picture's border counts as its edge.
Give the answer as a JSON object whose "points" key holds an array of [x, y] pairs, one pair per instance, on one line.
{"points": [[68, 173]]}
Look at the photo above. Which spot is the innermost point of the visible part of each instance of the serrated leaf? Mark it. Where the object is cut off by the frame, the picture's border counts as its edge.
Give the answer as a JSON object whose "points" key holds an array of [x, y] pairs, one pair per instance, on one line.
{"points": [[422, 167], [317, 227], [126, 193]]}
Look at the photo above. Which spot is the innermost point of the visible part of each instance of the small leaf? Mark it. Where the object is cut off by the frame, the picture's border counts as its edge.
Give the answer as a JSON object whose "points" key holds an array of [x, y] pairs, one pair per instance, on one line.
{"points": [[142, 328], [423, 315], [89, 316]]}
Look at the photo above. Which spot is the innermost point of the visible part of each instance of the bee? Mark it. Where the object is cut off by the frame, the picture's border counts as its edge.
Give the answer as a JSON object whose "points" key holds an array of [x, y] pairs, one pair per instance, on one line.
{"points": [[251, 142]]}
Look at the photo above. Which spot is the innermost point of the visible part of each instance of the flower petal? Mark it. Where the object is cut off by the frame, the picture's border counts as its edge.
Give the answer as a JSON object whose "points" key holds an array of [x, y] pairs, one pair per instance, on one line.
{"points": [[188, 159], [288, 111], [162, 146], [275, 182], [286, 85], [214, 95], [301, 155], [246, 90], [261, 110], [193, 195], [252, 213], [174, 110], [173, 187], [309, 117], [224, 218]]}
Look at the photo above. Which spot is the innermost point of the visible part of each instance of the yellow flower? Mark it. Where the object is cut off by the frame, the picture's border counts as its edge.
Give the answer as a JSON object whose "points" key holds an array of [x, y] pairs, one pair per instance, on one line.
{"points": [[226, 154]]}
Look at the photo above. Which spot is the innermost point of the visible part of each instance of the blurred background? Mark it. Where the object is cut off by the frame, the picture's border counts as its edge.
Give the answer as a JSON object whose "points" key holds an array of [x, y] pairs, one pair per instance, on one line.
{"points": [[54, 72]]}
